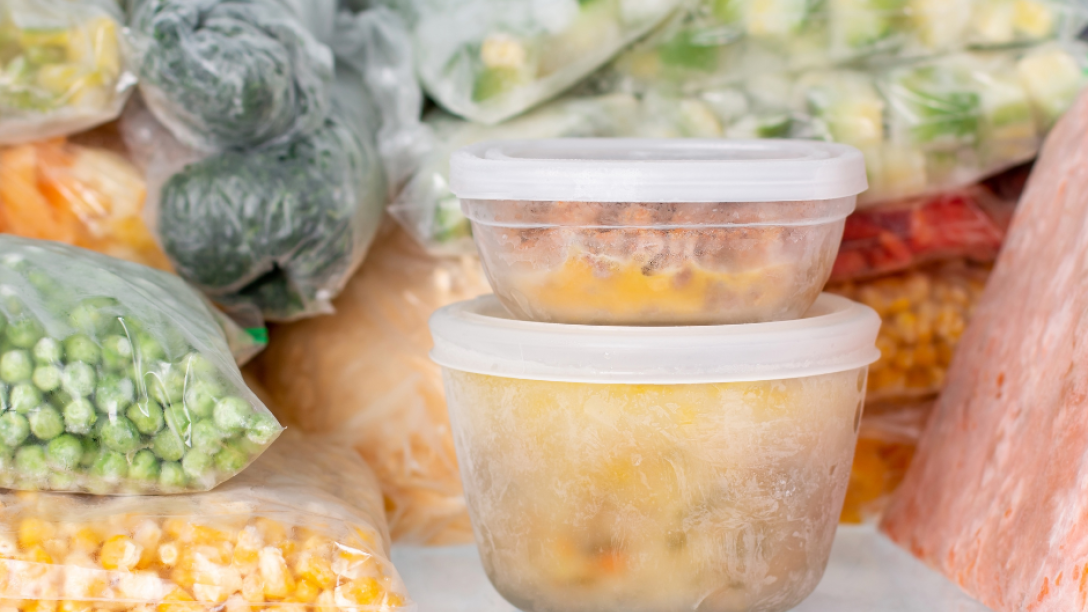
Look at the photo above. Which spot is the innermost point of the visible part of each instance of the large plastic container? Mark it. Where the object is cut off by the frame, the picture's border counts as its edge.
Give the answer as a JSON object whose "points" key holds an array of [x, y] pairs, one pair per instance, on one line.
{"points": [[649, 469], [657, 232]]}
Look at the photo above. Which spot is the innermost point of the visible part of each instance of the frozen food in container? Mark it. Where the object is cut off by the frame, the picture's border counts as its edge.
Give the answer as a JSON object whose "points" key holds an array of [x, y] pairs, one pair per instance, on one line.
{"points": [[653, 468], [650, 231]]}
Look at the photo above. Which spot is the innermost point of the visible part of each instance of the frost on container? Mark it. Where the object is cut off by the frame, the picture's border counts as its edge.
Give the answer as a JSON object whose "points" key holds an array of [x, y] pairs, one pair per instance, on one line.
{"points": [[598, 231], [62, 67], [282, 536], [488, 60], [115, 379], [651, 469]]}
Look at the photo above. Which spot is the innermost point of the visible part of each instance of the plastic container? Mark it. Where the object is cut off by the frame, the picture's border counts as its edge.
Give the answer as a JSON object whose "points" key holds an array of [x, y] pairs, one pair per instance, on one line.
{"points": [[655, 469], [657, 232]]}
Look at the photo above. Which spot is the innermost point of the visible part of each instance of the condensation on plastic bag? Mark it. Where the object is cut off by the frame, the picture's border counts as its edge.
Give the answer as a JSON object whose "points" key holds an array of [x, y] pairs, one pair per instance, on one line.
{"points": [[968, 223], [488, 60], [716, 42], [365, 374], [430, 212], [887, 440], [116, 379], [925, 311], [231, 74], [63, 67], [286, 535]]}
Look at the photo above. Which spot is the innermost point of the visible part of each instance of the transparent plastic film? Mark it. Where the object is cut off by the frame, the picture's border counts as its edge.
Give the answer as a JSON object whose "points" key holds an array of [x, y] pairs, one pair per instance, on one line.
{"points": [[116, 379], [285, 535], [65, 67]]}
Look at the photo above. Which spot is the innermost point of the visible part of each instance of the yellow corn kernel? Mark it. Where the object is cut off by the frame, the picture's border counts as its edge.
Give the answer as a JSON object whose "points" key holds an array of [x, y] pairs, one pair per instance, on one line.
{"points": [[326, 602], [37, 554], [147, 536], [178, 529], [168, 554], [925, 355], [75, 606], [364, 591], [305, 592], [272, 532], [278, 582], [41, 605], [34, 531], [120, 553], [249, 546], [313, 567], [208, 535], [178, 601], [87, 539], [183, 577], [253, 588]]}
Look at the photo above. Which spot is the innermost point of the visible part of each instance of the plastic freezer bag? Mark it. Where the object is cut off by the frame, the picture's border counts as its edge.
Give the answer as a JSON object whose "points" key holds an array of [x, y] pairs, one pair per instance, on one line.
{"points": [[286, 535], [925, 311], [116, 379], [63, 67], [887, 440], [364, 374], [968, 223], [488, 60], [86, 196], [430, 212], [715, 42], [230, 74]]}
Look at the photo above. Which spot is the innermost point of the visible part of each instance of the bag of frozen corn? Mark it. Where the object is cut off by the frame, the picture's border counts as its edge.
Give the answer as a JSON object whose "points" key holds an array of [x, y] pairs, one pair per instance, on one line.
{"points": [[115, 378], [363, 374], [489, 60], [62, 67], [286, 535]]}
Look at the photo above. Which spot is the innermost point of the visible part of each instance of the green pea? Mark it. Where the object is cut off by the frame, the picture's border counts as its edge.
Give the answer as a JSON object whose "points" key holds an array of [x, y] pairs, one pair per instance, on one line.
{"points": [[148, 348], [64, 452], [110, 466], [46, 378], [46, 423], [24, 333], [201, 397], [230, 461], [144, 466], [78, 379], [179, 421], [262, 429], [63, 481], [232, 413], [117, 352], [47, 351], [24, 397], [16, 366], [59, 398], [119, 434], [207, 438], [245, 446], [147, 416], [172, 476], [79, 347], [30, 462], [79, 417], [3, 323], [168, 446], [114, 394], [199, 366], [14, 428], [90, 452], [166, 386], [196, 464], [95, 316]]}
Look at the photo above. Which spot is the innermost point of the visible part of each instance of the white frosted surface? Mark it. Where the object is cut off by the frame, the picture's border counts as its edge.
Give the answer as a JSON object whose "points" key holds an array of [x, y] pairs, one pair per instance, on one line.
{"points": [[867, 573]]}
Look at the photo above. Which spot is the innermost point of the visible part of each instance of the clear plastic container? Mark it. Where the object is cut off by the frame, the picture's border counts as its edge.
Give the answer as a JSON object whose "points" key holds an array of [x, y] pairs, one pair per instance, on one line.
{"points": [[657, 232], [655, 469]]}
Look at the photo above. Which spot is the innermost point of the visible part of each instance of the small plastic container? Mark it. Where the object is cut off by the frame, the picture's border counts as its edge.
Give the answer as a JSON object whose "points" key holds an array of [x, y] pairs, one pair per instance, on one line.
{"points": [[654, 469], [657, 232]]}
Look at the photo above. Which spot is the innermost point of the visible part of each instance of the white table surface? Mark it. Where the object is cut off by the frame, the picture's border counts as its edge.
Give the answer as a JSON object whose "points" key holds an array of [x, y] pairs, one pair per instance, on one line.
{"points": [[867, 573]]}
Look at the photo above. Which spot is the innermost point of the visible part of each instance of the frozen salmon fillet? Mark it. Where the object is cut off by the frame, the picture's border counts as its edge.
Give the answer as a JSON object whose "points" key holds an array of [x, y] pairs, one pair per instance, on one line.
{"points": [[997, 496]]}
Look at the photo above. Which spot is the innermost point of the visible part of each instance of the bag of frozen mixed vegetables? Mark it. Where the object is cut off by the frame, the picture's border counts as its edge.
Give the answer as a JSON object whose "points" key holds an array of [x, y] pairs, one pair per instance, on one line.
{"points": [[230, 74], [286, 535], [115, 379], [488, 60], [716, 42], [63, 67]]}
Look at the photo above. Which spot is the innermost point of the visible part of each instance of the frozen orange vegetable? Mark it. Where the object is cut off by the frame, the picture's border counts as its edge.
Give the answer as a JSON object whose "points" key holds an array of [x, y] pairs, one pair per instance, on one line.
{"points": [[995, 498], [364, 372], [85, 196], [925, 311], [285, 535]]}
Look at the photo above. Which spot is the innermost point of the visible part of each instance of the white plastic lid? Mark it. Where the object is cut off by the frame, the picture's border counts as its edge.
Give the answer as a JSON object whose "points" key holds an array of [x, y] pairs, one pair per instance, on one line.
{"points": [[657, 170], [479, 336]]}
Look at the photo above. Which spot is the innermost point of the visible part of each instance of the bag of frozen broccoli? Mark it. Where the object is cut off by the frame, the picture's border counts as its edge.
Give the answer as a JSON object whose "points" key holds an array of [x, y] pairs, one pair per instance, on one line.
{"points": [[231, 74], [115, 378], [275, 232], [488, 60], [63, 67], [301, 529]]}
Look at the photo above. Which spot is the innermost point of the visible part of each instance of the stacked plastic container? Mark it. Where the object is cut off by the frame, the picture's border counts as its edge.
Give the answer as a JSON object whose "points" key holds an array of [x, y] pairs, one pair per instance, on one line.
{"points": [[658, 408]]}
